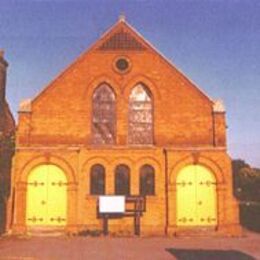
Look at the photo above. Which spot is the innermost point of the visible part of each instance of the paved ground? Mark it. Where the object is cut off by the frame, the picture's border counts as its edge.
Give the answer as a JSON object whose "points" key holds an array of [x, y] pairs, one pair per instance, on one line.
{"points": [[31, 248]]}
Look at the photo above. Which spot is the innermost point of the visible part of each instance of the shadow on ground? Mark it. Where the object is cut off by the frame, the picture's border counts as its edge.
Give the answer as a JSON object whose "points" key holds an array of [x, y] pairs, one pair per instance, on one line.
{"points": [[200, 254], [250, 216]]}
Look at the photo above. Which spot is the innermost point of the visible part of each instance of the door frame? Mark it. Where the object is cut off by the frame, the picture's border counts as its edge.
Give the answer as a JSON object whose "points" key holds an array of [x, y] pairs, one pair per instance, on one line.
{"points": [[194, 173], [46, 184], [221, 187], [17, 203]]}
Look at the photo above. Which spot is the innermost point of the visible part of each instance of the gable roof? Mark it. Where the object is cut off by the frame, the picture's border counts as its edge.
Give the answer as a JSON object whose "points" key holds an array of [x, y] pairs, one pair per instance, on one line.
{"points": [[123, 37], [121, 40]]}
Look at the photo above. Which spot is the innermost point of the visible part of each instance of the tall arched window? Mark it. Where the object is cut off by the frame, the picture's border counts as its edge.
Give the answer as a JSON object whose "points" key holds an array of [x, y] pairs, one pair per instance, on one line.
{"points": [[97, 179], [140, 125], [104, 115], [147, 180], [122, 180]]}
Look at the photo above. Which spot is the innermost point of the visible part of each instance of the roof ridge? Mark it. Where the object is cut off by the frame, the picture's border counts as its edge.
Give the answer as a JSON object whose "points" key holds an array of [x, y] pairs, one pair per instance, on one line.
{"points": [[102, 39]]}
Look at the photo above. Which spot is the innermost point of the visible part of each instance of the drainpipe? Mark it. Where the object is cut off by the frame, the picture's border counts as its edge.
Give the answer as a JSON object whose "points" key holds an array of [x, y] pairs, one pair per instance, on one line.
{"points": [[166, 192]]}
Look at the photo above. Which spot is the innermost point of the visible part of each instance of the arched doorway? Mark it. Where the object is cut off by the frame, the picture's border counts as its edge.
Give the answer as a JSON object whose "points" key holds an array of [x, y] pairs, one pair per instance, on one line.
{"points": [[46, 201], [196, 197]]}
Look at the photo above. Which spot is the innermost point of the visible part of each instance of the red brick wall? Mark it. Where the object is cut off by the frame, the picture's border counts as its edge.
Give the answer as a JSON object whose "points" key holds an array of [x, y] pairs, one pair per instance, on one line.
{"points": [[219, 129], [62, 112]]}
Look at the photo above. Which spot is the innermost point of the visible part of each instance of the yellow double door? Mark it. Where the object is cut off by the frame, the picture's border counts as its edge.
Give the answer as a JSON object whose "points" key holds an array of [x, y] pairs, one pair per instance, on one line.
{"points": [[196, 197], [46, 203]]}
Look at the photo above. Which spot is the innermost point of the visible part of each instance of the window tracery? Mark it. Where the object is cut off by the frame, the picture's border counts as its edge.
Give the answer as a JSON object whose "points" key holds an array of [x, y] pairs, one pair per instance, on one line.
{"points": [[103, 115], [140, 116]]}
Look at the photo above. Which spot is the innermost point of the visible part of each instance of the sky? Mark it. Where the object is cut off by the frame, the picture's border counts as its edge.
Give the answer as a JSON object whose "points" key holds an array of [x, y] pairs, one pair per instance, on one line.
{"points": [[216, 43]]}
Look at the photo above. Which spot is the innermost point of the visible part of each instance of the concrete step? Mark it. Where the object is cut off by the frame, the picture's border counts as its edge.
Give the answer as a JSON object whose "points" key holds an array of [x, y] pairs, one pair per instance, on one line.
{"points": [[197, 232], [46, 231]]}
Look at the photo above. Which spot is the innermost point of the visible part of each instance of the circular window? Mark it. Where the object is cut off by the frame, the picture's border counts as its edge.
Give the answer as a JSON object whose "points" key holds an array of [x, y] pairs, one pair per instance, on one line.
{"points": [[122, 64]]}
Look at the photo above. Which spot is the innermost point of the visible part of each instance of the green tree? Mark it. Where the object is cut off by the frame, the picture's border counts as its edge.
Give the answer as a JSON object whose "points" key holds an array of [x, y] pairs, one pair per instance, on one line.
{"points": [[246, 181]]}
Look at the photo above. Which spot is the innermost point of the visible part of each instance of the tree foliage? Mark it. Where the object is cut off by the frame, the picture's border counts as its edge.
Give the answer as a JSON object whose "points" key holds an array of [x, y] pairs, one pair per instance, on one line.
{"points": [[246, 181]]}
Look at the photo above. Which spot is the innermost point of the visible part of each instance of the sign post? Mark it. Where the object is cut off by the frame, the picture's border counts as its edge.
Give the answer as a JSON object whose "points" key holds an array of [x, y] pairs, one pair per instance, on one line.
{"points": [[105, 225], [110, 205]]}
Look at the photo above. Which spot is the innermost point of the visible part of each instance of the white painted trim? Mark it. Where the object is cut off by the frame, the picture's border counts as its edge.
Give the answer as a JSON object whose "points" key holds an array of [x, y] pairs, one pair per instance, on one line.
{"points": [[219, 106], [25, 106]]}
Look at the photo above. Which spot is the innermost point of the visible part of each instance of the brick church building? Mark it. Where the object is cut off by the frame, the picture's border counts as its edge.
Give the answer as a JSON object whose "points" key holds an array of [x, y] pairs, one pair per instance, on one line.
{"points": [[122, 120]]}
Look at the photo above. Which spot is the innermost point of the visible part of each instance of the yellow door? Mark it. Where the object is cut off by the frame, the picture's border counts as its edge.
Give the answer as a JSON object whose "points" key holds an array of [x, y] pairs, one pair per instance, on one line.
{"points": [[196, 197], [46, 197], [186, 199], [36, 212], [56, 197], [206, 197]]}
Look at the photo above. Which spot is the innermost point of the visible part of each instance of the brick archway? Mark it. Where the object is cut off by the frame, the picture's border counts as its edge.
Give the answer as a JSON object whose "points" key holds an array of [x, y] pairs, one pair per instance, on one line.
{"points": [[211, 167], [19, 193], [196, 200], [144, 80], [36, 161], [201, 160], [46, 198]]}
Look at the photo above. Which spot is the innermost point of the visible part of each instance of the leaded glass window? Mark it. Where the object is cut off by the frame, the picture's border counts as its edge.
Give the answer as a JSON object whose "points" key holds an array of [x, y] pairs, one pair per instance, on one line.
{"points": [[140, 126], [122, 180], [104, 115], [97, 179], [147, 180]]}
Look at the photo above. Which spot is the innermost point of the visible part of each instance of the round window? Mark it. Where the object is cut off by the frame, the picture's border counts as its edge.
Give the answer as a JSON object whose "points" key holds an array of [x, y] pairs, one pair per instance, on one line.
{"points": [[122, 64]]}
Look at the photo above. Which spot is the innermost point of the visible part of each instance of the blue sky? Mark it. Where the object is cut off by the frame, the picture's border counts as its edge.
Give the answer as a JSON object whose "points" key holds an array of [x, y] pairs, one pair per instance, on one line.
{"points": [[216, 43]]}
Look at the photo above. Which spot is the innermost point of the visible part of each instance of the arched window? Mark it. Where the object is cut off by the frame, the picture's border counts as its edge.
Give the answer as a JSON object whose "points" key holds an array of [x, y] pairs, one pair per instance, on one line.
{"points": [[97, 180], [104, 115], [122, 180], [140, 125], [147, 180]]}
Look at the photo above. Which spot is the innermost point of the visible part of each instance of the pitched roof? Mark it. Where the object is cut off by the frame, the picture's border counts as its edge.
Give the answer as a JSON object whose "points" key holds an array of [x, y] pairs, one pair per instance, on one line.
{"points": [[121, 40], [123, 37]]}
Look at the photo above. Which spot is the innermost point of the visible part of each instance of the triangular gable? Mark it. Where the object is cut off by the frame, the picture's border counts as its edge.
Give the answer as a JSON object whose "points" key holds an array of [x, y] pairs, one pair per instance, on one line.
{"points": [[122, 40], [124, 37]]}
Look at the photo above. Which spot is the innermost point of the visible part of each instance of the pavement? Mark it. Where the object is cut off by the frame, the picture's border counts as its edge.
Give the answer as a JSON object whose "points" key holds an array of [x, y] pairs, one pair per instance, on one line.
{"points": [[64, 247]]}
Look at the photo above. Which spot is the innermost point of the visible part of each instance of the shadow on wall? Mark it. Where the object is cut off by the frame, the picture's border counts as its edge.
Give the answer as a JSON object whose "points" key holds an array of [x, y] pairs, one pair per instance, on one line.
{"points": [[6, 153], [2, 215], [199, 254]]}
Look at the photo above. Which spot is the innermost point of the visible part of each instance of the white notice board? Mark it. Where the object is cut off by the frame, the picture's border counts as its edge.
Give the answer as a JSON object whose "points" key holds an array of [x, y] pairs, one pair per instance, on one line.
{"points": [[111, 204]]}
